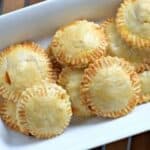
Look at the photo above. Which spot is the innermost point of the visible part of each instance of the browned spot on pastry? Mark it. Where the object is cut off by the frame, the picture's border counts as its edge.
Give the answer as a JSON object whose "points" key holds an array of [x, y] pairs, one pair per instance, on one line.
{"points": [[74, 110], [62, 96], [30, 134], [90, 108], [7, 78]]}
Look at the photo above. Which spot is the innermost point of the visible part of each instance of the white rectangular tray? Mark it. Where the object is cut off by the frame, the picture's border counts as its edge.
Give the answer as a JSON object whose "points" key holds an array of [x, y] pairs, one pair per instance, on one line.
{"points": [[38, 23]]}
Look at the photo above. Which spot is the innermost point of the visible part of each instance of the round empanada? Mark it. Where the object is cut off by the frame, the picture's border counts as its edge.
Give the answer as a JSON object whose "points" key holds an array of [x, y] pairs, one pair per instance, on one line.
{"points": [[144, 75], [8, 113], [57, 67], [118, 47], [133, 23], [70, 79], [22, 66], [79, 43], [44, 110], [111, 87]]}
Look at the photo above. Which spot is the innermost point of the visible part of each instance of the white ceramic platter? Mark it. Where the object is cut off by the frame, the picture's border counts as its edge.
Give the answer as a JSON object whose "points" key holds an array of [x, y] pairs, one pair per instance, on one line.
{"points": [[38, 23]]}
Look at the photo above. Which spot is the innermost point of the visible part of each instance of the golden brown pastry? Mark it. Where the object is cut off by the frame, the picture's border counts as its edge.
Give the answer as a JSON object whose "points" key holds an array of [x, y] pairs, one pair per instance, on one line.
{"points": [[144, 75], [70, 79], [57, 67], [22, 66], [118, 47], [133, 23], [8, 113], [44, 110], [111, 87], [79, 43]]}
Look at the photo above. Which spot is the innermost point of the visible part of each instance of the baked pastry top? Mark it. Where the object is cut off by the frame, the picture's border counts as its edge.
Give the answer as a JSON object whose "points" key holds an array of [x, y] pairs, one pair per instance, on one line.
{"points": [[44, 110], [22, 66], [144, 75], [118, 47], [78, 43], [70, 79], [8, 113], [110, 86], [133, 22]]}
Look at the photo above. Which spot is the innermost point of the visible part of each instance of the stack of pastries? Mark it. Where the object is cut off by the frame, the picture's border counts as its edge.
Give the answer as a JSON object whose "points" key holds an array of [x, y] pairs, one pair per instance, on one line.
{"points": [[88, 70]]}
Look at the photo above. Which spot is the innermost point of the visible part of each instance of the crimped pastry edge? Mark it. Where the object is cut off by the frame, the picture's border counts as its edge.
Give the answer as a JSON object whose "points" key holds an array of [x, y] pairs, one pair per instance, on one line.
{"points": [[12, 124], [57, 67]]}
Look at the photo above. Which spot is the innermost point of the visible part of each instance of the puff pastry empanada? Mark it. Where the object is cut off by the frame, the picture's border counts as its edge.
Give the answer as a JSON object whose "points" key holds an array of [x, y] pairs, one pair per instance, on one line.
{"points": [[133, 22], [44, 110], [79, 43], [110, 86], [57, 67], [144, 75], [8, 113], [118, 47], [70, 79], [22, 66]]}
